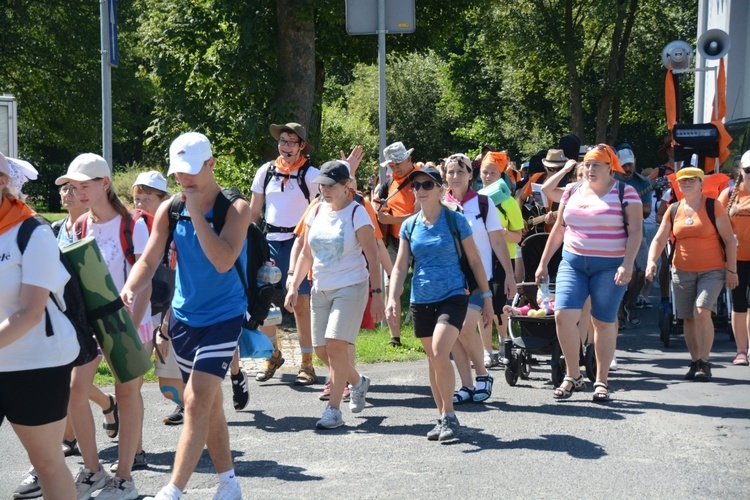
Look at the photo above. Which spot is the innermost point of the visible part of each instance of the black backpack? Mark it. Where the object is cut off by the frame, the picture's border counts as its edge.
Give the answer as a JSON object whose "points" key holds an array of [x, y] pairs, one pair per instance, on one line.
{"points": [[73, 296], [258, 296], [299, 175]]}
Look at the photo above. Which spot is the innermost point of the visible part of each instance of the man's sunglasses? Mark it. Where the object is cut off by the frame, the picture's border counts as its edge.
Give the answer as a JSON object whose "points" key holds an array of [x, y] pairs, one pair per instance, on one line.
{"points": [[426, 185]]}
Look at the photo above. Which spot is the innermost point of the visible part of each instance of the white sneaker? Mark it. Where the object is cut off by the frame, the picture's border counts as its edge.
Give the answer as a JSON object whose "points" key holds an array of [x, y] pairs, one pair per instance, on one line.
{"points": [[358, 394], [165, 493], [88, 482], [331, 419], [228, 490], [118, 489], [29, 486], [613, 365]]}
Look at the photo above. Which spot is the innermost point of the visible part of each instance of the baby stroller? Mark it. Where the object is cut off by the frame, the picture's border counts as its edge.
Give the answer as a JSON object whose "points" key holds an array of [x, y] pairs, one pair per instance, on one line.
{"points": [[670, 325], [529, 336]]}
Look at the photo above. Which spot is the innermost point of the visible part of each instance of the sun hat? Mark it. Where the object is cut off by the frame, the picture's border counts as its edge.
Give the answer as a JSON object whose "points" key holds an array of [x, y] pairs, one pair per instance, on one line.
{"points": [[555, 158], [626, 156], [188, 153], [499, 159], [295, 128], [688, 172], [427, 171], [152, 179], [461, 159], [332, 172], [395, 153], [4, 166], [745, 160], [85, 167]]}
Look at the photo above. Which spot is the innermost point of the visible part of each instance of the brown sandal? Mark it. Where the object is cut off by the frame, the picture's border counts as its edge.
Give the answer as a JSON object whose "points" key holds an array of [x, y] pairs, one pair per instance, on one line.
{"points": [[306, 376], [272, 364]]}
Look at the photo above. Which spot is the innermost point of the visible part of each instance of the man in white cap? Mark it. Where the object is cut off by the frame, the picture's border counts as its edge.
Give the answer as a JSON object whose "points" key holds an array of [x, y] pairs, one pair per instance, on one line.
{"points": [[209, 309], [394, 202]]}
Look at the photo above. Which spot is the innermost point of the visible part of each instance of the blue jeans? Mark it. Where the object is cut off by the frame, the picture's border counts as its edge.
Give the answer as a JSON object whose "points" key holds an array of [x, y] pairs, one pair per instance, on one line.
{"points": [[579, 276]]}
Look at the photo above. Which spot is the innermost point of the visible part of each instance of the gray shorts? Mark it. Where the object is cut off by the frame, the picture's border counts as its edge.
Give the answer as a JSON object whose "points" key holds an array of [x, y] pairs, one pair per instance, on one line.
{"points": [[392, 253], [696, 289], [337, 314]]}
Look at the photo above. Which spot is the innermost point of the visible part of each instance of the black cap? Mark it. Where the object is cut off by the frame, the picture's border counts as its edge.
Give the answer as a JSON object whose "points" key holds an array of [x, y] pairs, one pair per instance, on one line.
{"points": [[427, 171], [332, 172]]}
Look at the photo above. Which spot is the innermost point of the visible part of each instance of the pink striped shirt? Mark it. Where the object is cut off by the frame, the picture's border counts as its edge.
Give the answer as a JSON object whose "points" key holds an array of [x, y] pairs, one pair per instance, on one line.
{"points": [[594, 226]]}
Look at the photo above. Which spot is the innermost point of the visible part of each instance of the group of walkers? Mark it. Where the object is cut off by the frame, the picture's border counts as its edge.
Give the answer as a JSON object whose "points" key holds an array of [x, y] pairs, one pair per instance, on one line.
{"points": [[427, 222]]}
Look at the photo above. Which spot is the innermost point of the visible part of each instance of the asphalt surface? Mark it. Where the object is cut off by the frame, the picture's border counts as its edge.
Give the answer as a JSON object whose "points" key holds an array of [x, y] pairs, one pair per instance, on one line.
{"points": [[660, 437]]}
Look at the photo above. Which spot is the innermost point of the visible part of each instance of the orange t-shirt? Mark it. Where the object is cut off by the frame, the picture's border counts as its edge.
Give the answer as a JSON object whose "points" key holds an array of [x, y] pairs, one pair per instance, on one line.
{"points": [[401, 204], [697, 246], [740, 221]]}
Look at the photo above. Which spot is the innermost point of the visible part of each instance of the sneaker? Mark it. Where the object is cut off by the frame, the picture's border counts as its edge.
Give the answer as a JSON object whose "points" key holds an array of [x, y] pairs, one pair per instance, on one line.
{"points": [[501, 358], [449, 429], [704, 371], [613, 365], [228, 490], [240, 394], [487, 359], [331, 419], [29, 486], [692, 370], [741, 359], [177, 417], [639, 302], [434, 434], [630, 316], [647, 303], [358, 393], [118, 489], [326, 394], [139, 463], [165, 493], [88, 482]]}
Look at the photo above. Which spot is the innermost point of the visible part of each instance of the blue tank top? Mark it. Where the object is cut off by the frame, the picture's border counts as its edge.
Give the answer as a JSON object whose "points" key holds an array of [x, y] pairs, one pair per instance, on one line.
{"points": [[203, 296]]}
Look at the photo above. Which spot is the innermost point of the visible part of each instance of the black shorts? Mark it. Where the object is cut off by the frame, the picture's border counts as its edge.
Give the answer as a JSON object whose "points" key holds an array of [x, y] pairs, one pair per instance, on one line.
{"points": [[451, 311], [35, 397], [740, 292]]}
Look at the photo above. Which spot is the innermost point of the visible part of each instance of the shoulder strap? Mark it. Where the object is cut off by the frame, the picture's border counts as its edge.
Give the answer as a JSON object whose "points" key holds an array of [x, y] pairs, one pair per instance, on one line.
{"points": [[575, 187], [409, 225], [224, 199], [623, 204], [711, 211], [672, 214], [126, 235], [269, 173], [80, 226], [301, 174], [24, 232], [484, 207]]}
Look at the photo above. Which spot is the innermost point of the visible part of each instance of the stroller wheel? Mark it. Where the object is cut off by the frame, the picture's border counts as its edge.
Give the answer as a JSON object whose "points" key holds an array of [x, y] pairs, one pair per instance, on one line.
{"points": [[525, 366], [511, 370], [589, 361]]}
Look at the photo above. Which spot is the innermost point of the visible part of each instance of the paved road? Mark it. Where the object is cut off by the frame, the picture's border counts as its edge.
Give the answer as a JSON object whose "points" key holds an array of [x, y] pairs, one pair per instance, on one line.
{"points": [[661, 437]]}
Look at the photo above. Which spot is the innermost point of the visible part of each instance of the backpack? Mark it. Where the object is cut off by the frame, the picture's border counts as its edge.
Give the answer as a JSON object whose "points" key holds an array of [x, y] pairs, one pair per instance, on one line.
{"points": [[299, 175], [470, 282], [258, 296], [72, 296], [711, 216], [162, 284]]}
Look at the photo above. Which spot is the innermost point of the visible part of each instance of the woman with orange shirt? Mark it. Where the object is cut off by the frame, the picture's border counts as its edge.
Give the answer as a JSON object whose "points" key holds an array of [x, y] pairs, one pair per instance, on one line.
{"points": [[700, 267], [737, 203]]}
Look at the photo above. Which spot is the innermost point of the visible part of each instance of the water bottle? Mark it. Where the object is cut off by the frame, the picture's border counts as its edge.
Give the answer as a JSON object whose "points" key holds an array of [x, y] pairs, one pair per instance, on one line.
{"points": [[269, 273]]}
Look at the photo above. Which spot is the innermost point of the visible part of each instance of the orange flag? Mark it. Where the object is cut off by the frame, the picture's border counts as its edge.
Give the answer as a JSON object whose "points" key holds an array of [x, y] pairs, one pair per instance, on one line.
{"points": [[724, 140], [721, 94], [670, 100]]}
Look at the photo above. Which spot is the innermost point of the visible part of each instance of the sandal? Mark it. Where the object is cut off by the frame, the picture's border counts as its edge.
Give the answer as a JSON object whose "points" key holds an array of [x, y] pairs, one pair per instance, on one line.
{"points": [[112, 429], [272, 364], [601, 397], [70, 447], [563, 393], [306, 376], [482, 395], [741, 359], [463, 395]]}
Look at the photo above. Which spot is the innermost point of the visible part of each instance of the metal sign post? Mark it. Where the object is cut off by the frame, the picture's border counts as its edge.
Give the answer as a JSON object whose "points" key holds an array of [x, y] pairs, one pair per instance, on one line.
{"points": [[110, 57]]}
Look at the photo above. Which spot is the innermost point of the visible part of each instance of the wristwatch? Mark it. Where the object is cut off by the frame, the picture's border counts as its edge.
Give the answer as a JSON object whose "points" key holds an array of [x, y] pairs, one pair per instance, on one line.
{"points": [[486, 294], [377, 290]]}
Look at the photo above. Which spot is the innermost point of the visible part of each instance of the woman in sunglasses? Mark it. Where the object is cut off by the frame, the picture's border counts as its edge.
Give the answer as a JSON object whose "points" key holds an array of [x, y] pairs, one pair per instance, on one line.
{"points": [[488, 234], [737, 203], [438, 288], [599, 249], [700, 267]]}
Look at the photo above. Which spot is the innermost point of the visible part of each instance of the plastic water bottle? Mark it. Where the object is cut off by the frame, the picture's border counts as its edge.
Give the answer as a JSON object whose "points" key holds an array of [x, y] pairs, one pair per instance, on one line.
{"points": [[269, 273]]}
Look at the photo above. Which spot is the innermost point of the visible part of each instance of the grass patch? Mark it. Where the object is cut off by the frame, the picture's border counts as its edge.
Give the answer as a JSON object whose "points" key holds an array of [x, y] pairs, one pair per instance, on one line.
{"points": [[52, 217], [104, 376]]}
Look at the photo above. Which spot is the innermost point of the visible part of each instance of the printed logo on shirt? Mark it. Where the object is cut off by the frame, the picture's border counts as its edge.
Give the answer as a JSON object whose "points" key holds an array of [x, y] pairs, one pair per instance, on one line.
{"points": [[4, 257]]}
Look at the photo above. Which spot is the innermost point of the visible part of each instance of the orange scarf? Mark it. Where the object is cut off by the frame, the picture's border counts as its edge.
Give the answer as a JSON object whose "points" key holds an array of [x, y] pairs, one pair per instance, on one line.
{"points": [[13, 212], [605, 154], [280, 167]]}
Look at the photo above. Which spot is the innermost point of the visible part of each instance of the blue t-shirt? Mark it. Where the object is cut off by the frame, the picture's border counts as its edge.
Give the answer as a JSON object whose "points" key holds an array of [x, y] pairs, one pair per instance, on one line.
{"points": [[202, 295], [437, 273]]}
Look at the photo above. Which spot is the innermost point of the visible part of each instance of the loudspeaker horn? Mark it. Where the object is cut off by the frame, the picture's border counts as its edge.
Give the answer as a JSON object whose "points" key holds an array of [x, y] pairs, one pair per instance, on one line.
{"points": [[677, 56], [714, 44]]}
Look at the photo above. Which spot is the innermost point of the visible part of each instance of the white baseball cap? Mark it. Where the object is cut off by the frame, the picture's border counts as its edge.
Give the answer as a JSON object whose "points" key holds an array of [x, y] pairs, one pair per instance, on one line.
{"points": [[152, 179], [188, 153], [85, 167], [626, 156]]}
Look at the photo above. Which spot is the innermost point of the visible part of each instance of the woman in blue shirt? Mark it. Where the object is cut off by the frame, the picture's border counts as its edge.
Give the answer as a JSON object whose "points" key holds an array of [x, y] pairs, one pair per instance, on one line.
{"points": [[438, 288]]}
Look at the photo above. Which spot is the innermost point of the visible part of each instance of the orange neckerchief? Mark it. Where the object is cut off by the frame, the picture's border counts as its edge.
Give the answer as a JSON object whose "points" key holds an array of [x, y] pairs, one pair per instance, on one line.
{"points": [[13, 212], [280, 167]]}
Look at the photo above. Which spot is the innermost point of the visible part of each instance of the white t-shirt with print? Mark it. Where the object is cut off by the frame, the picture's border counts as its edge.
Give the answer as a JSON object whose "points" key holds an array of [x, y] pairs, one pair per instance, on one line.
{"points": [[38, 266], [480, 232], [107, 236], [337, 255], [284, 208]]}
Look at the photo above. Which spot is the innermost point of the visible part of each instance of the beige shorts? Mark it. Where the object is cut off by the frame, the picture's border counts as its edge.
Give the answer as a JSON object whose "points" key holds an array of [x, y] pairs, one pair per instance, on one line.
{"points": [[392, 253], [168, 369], [337, 314], [696, 289]]}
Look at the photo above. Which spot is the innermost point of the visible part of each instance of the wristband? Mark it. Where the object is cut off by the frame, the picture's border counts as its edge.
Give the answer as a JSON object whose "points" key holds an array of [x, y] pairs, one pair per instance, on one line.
{"points": [[486, 294], [733, 272], [290, 272]]}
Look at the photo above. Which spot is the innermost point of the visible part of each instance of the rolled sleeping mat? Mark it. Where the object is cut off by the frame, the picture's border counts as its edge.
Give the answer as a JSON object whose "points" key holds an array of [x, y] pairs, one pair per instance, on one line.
{"points": [[498, 191], [106, 312]]}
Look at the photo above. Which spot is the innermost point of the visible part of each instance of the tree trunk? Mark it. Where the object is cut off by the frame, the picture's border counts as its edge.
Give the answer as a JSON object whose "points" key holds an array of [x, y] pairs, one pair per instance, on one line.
{"points": [[571, 61], [295, 97]]}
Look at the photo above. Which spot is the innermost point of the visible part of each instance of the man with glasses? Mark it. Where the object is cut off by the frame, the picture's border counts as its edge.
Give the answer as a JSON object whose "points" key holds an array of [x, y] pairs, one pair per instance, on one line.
{"points": [[394, 202], [285, 186]]}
